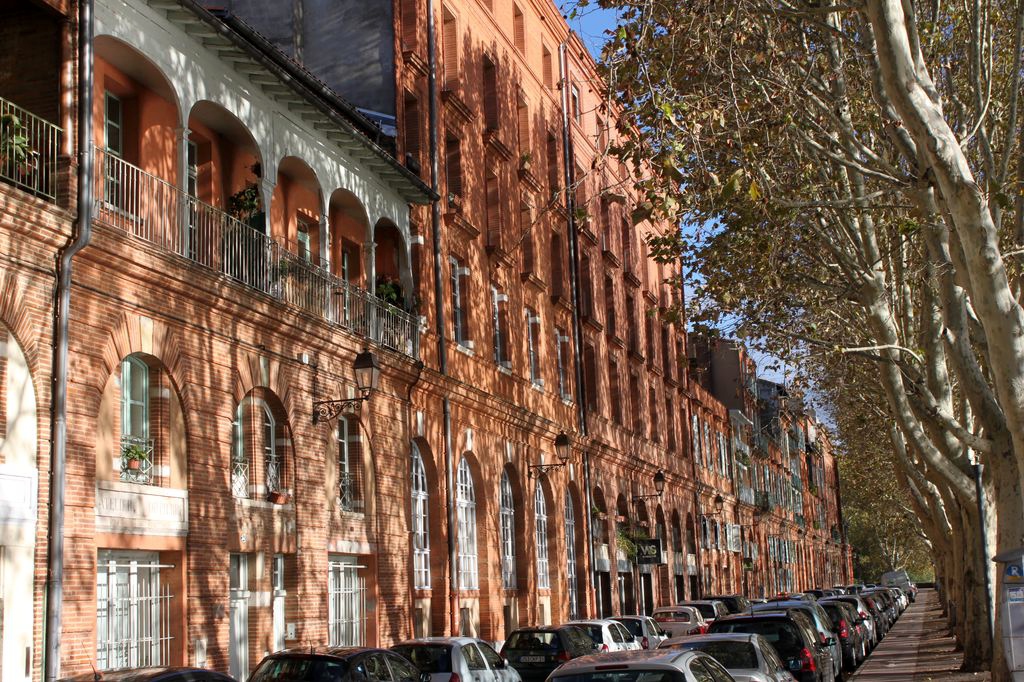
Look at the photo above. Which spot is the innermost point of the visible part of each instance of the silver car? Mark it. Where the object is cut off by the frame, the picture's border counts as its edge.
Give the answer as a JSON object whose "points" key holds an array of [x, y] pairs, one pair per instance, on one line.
{"points": [[471, 659], [680, 620], [645, 629], [747, 657], [608, 635], [659, 665]]}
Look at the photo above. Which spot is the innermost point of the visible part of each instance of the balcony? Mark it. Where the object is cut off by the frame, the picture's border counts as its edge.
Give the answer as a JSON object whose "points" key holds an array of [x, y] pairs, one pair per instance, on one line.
{"points": [[29, 151], [137, 460], [763, 501], [155, 211], [746, 495]]}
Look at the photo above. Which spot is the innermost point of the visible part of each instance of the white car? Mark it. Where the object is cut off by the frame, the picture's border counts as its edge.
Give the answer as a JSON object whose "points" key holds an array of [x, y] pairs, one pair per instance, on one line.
{"points": [[679, 621], [444, 657], [747, 657], [711, 609], [609, 635], [645, 629], [660, 665]]}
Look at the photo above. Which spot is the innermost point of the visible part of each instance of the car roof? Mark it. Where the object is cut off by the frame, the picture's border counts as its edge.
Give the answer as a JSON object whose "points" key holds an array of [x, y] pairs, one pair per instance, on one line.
{"points": [[590, 621], [668, 659], [767, 614], [633, 616], [539, 628], [701, 601], [461, 641], [339, 652], [140, 674], [714, 637]]}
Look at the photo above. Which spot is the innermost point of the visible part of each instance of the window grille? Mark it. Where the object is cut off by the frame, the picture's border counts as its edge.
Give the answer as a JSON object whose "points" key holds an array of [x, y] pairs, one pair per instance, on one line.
{"points": [[132, 613], [271, 459], [466, 508], [350, 497], [136, 445], [420, 519], [239, 461], [508, 534], [346, 602], [570, 559], [541, 519]]}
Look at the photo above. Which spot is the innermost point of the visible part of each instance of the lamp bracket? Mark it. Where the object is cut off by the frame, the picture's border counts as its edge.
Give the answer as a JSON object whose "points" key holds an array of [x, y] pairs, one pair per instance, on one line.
{"points": [[538, 470], [649, 496], [328, 410]]}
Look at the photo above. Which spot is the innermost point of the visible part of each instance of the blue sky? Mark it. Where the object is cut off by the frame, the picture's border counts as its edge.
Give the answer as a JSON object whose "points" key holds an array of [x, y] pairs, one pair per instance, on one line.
{"points": [[590, 24]]}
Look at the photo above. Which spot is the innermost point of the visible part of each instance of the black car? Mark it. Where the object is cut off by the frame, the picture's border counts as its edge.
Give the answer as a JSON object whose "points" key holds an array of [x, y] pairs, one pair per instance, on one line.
{"points": [[162, 674], [878, 613], [335, 664], [851, 636], [736, 603], [794, 639], [535, 652]]}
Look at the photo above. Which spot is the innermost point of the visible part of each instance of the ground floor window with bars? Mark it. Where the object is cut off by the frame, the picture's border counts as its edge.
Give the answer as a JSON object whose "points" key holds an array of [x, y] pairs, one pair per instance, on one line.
{"points": [[132, 611], [346, 600]]}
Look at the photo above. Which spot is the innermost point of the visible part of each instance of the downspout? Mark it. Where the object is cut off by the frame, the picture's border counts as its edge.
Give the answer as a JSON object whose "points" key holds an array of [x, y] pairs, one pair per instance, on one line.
{"points": [[568, 175], [442, 343], [81, 232]]}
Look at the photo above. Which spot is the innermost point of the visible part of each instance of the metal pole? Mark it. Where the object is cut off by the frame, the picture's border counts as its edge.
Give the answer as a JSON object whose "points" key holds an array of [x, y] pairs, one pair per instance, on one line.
{"points": [[58, 415]]}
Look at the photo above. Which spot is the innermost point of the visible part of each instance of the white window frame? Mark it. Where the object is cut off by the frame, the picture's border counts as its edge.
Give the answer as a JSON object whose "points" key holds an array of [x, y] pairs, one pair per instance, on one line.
{"points": [[540, 510], [420, 522], [129, 366], [507, 515], [349, 497], [500, 332], [346, 601], [272, 464], [239, 457], [459, 312], [132, 611], [469, 574], [562, 346]]}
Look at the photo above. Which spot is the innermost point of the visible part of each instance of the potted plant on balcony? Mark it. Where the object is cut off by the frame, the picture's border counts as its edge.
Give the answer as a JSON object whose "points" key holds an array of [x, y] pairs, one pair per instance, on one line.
{"points": [[389, 290], [134, 455], [14, 145], [525, 161], [278, 497]]}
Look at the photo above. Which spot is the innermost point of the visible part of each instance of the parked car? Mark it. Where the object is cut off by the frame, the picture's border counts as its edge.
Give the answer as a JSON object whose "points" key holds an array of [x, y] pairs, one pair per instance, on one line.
{"points": [[735, 603], [334, 664], [791, 596], [535, 652], [747, 657], [462, 658], [711, 609], [878, 614], [644, 666], [153, 675], [609, 635], [792, 635], [821, 622], [886, 603], [644, 629], [864, 618], [852, 635], [680, 620], [901, 580]]}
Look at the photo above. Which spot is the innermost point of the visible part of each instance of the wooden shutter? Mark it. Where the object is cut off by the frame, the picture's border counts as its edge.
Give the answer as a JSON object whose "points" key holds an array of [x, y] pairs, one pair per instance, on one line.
{"points": [[450, 45], [493, 212], [519, 29], [410, 28]]}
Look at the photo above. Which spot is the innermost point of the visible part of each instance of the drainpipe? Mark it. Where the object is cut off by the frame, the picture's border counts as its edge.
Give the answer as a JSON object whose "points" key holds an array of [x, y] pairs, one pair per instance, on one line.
{"points": [[442, 343], [81, 232], [568, 175]]}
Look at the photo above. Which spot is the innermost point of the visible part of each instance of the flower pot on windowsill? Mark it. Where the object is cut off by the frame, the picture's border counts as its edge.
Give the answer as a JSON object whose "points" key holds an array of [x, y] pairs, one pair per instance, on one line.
{"points": [[134, 464], [278, 497]]}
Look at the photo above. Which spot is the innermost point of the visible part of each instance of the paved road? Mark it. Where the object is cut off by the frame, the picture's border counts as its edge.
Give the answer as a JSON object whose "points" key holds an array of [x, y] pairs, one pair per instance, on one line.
{"points": [[918, 649]]}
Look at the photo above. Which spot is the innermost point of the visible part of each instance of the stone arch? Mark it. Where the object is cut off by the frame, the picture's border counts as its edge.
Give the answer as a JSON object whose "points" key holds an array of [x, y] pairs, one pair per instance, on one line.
{"points": [[262, 453], [254, 370], [17, 318], [228, 158], [297, 209], [599, 514], [392, 260], [520, 529], [349, 236]]}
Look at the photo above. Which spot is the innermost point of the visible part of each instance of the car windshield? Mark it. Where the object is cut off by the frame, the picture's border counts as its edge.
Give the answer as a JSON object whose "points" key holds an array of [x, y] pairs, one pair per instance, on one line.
{"points": [[781, 634], [626, 675], [428, 658], [681, 616], [594, 631], [533, 639], [706, 610], [733, 655], [633, 625], [299, 669]]}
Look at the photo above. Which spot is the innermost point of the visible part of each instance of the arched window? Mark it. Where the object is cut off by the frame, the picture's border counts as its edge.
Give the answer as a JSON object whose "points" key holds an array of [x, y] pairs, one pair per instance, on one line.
{"points": [[541, 522], [136, 445], [466, 507], [271, 460], [420, 529], [350, 458], [570, 558], [508, 534], [259, 450]]}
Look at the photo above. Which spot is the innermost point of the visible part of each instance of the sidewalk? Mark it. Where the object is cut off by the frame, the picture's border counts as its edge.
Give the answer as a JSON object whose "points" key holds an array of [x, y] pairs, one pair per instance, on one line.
{"points": [[918, 649]]}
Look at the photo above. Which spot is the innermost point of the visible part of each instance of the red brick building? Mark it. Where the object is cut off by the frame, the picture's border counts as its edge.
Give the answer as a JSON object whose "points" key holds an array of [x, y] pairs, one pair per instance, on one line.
{"points": [[251, 234]]}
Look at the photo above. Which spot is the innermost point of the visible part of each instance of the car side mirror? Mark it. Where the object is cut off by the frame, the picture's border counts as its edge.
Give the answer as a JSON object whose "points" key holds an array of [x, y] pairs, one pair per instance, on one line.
{"points": [[504, 663]]}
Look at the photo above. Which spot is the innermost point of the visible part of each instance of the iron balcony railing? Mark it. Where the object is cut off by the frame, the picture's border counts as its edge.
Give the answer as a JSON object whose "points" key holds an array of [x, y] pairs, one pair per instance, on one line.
{"points": [[29, 151], [137, 464], [152, 209]]}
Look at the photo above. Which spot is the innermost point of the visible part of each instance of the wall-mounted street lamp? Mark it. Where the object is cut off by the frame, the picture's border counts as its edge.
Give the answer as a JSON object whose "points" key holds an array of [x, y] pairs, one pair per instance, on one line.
{"points": [[563, 448], [659, 487], [367, 371], [719, 506]]}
